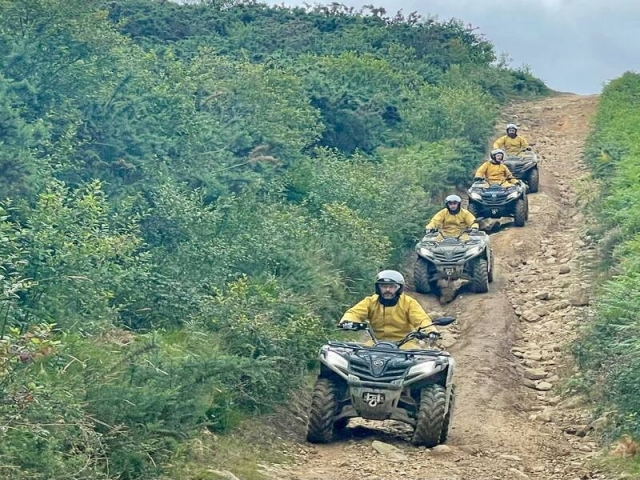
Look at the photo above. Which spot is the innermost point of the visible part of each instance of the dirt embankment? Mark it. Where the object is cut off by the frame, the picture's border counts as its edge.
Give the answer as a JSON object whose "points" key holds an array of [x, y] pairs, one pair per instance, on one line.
{"points": [[510, 422]]}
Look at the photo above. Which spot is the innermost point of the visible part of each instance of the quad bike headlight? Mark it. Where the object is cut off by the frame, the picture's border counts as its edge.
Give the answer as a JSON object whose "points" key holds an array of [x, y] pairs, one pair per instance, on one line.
{"points": [[475, 196], [513, 195], [335, 360], [424, 368], [473, 251], [426, 252]]}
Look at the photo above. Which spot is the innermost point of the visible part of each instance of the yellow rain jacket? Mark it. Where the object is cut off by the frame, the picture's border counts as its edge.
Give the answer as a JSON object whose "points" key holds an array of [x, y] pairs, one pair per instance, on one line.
{"points": [[494, 173], [452, 225], [391, 323], [512, 146]]}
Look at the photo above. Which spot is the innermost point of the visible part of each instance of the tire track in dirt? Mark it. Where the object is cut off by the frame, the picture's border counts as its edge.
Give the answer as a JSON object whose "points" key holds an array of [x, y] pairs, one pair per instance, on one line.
{"points": [[495, 435]]}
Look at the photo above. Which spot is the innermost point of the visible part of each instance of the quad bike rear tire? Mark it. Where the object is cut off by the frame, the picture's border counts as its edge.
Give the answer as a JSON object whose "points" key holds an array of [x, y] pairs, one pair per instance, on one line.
{"points": [[324, 408], [480, 279], [520, 212], [534, 180], [446, 427], [431, 416], [421, 276]]}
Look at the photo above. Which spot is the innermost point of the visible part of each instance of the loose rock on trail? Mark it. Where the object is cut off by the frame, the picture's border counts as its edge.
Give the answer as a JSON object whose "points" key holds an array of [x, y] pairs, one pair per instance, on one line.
{"points": [[509, 422]]}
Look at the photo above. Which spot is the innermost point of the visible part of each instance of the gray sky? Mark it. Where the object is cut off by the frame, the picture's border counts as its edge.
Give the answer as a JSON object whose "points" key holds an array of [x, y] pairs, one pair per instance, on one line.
{"points": [[573, 45]]}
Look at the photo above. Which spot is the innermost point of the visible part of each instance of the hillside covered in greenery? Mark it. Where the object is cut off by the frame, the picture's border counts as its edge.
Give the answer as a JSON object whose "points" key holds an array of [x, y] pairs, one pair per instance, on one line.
{"points": [[191, 194], [609, 351]]}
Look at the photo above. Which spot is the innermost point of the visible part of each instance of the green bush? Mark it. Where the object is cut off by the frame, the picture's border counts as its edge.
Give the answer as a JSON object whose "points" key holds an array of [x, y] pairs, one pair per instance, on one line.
{"points": [[609, 350], [196, 193]]}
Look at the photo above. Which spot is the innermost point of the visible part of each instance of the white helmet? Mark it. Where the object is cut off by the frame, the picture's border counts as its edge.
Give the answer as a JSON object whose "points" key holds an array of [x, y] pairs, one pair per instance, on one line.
{"points": [[390, 276], [512, 125], [453, 198], [496, 152]]}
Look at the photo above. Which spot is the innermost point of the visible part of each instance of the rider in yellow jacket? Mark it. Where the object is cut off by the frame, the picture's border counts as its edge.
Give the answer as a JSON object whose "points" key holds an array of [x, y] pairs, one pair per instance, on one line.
{"points": [[511, 142], [391, 313], [494, 171], [453, 219]]}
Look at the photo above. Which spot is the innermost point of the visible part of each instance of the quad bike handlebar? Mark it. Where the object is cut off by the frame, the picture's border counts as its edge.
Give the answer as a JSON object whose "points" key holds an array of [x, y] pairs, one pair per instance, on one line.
{"points": [[482, 179], [354, 326], [525, 149], [414, 335], [437, 231], [431, 337]]}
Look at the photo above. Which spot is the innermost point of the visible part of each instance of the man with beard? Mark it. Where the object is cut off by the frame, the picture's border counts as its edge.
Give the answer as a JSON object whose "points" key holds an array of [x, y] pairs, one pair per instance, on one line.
{"points": [[452, 220], [391, 313], [495, 171], [511, 142]]}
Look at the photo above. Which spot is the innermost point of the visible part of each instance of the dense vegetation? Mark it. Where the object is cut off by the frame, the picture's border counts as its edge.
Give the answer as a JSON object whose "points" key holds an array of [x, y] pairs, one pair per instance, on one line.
{"points": [[609, 352], [191, 194]]}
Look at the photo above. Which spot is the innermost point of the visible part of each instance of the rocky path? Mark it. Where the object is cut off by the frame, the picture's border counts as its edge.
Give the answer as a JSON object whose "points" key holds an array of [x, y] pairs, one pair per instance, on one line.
{"points": [[510, 420]]}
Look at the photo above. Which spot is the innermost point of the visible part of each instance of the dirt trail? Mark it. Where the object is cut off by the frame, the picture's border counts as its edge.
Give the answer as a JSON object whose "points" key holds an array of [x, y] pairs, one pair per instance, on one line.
{"points": [[505, 426]]}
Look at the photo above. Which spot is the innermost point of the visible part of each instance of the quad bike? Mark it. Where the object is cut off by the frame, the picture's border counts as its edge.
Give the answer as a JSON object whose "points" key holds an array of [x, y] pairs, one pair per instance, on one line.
{"points": [[499, 200], [467, 256], [382, 382], [524, 166]]}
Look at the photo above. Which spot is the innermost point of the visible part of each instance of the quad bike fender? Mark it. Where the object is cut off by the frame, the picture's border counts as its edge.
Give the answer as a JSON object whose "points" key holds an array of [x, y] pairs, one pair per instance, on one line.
{"points": [[424, 257], [449, 385], [525, 165], [427, 372], [444, 377], [330, 366], [529, 165]]}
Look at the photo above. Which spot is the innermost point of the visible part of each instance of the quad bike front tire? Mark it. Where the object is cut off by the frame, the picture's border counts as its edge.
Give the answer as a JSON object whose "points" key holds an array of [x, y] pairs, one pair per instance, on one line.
{"points": [[520, 217], [446, 427], [473, 209], [324, 408], [490, 274], [480, 279], [534, 180], [435, 289], [421, 276], [431, 416], [340, 425]]}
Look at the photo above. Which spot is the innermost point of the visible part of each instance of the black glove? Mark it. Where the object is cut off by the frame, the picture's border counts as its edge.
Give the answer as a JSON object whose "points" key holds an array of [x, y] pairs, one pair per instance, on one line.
{"points": [[350, 325], [478, 179], [428, 336], [431, 230]]}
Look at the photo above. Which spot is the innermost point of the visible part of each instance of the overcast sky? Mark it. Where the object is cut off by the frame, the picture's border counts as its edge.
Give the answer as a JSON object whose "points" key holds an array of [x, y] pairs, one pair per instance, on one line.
{"points": [[573, 45]]}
